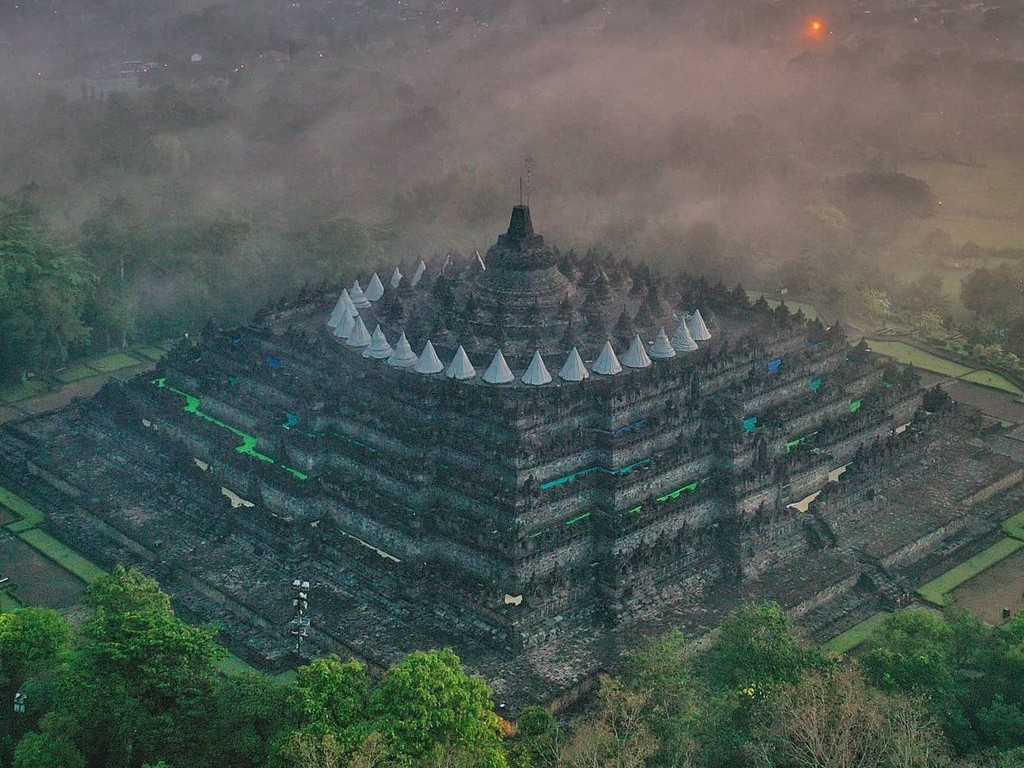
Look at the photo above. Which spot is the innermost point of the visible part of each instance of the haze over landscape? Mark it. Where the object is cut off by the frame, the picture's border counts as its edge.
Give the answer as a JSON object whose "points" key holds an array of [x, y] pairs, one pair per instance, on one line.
{"points": [[710, 455]]}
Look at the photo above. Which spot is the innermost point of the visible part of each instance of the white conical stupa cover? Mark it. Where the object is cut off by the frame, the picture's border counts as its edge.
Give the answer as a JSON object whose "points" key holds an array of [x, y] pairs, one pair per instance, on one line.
{"points": [[574, 370], [379, 348], [662, 349], [420, 269], [480, 261], [698, 330], [460, 367], [429, 362], [682, 341], [349, 306], [636, 357], [396, 278], [344, 328], [404, 357], [359, 336], [537, 373], [607, 363], [375, 289], [498, 371], [359, 299], [338, 312]]}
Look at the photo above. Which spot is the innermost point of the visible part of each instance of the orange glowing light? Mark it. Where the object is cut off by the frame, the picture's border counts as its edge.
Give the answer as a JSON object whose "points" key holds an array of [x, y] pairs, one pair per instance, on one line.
{"points": [[815, 27]]}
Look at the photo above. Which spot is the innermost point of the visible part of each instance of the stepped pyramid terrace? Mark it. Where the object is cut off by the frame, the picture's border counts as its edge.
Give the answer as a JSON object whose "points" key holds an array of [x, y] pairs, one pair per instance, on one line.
{"points": [[534, 457]]}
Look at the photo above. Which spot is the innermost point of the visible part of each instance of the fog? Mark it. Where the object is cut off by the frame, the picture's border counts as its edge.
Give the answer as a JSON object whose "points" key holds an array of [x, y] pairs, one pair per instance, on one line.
{"points": [[645, 122]]}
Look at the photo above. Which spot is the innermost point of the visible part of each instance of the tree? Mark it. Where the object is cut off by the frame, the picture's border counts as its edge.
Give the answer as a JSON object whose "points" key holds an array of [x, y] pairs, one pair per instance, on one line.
{"points": [[248, 713], [616, 737], [333, 693], [44, 285], [31, 640], [427, 701], [757, 650], [47, 751], [139, 684], [882, 200], [832, 720]]}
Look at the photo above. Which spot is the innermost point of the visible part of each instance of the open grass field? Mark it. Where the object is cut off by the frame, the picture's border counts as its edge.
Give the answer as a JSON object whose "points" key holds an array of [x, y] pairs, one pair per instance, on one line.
{"points": [[998, 587], [902, 352], [937, 590], [993, 380], [856, 635], [984, 204]]}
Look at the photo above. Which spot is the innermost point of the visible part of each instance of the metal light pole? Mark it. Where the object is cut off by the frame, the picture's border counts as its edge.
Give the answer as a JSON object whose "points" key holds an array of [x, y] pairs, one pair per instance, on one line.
{"points": [[300, 622]]}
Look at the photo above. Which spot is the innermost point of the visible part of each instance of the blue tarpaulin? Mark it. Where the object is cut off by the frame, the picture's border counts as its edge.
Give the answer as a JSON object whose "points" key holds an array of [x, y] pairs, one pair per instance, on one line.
{"points": [[774, 366]]}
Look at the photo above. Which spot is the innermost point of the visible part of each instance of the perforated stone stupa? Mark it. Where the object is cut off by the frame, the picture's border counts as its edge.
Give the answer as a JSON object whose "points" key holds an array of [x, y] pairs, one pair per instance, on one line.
{"points": [[534, 457]]}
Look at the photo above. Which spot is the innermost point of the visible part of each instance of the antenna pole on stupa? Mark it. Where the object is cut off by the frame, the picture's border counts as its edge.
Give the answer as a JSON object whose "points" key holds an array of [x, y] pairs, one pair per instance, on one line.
{"points": [[520, 189], [529, 184]]}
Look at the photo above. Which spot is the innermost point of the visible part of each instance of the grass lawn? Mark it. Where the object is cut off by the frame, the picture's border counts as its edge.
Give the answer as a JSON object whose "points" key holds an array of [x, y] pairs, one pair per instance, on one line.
{"points": [[902, 352], [8, 603], [68, 559], [76, 373], [936, 591], [153, 353], [30, 516], [1014, 527], [233, 665], [993, 380], [17, 392], [114, 362], [856, 635]]}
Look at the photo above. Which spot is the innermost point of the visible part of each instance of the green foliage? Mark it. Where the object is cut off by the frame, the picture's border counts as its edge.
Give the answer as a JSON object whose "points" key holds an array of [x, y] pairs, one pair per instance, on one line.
{"points": [[333, 693], [912, 653], [44, 285], [31, 641], [248, 713], [756, 650], [427, 701], [52, 750]]}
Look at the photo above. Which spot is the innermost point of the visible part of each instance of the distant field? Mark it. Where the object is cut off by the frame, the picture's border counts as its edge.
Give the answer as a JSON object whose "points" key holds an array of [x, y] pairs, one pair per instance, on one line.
{"points": [[908, 355], [984, 204], [937, 590]]}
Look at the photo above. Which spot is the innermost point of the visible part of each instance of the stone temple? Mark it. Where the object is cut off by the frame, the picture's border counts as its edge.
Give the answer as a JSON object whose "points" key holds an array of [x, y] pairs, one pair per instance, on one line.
{"points": [[535, 457]]}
